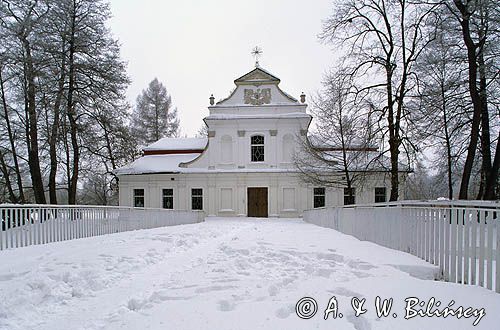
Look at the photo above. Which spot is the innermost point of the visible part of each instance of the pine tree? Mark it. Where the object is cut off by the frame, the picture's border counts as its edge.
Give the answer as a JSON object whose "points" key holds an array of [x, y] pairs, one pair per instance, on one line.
{"points": [[154, 117]]}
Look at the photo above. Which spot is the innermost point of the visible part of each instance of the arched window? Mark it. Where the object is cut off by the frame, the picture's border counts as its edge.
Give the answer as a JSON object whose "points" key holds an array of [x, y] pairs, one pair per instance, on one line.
{"points": [[226, 143], [257, 148], [288, 147]]}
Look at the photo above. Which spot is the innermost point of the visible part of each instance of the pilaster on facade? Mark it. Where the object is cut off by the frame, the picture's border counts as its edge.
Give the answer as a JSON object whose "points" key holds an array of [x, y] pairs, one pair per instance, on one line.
{"points": [[154, 198], [274, 197]]}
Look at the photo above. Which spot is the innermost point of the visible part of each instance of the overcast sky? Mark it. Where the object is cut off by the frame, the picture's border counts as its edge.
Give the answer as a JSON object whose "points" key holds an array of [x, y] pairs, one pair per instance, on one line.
{"points": [[197, 48]]}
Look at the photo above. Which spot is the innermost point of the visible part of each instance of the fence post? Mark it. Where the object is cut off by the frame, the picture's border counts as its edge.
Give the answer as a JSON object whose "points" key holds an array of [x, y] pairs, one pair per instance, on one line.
{"points": [[497, 265], [482, 219], [460, 244], [466, 245], [489, 254]]}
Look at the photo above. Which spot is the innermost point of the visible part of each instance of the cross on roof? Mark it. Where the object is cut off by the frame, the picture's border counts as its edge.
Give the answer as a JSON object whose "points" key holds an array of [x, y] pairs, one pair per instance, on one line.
{"points": [[257, 53]]}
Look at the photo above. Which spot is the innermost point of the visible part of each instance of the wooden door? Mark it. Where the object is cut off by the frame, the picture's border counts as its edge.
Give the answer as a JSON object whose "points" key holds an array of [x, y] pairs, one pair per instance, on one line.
{"points": [[257, 202]]}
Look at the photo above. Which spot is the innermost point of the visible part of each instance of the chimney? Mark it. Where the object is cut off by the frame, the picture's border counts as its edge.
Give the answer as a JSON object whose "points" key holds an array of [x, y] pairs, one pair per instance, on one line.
{"points": [[302, 98], [212, 99]]}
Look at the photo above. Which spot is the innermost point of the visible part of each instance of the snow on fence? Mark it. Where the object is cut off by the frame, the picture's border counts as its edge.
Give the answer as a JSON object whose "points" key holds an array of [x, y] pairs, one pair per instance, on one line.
{"points": [[23, 225], [461, 237]]}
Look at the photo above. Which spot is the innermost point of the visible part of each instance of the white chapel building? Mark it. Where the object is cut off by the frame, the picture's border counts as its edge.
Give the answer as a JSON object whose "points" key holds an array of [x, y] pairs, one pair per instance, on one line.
{"points": [[244, 167]]}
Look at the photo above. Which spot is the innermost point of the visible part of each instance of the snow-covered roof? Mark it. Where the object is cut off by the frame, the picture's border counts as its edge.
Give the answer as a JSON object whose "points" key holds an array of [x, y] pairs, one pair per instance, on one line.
{"points": [[157, 164], [178, 144], [257, 75], [261, 85]]}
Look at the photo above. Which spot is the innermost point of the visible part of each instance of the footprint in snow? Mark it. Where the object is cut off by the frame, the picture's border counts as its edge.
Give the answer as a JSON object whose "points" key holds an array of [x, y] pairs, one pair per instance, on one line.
{"points": [[273, 290], [359, 323], [214, 288], [285, 312], [225, 306], [361, 265], [361, 274]]}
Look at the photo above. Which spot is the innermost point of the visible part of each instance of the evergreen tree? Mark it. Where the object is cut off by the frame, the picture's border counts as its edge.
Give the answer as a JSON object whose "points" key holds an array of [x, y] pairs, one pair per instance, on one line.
{"points": [[154, 117]]}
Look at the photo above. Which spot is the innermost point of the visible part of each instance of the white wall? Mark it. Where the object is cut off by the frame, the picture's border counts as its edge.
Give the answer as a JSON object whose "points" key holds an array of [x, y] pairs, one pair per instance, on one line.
{"points": [[224, 194]]}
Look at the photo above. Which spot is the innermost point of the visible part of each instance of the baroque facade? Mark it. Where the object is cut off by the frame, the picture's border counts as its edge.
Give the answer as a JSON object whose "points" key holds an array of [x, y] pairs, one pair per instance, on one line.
{"points": [[245, 167]]}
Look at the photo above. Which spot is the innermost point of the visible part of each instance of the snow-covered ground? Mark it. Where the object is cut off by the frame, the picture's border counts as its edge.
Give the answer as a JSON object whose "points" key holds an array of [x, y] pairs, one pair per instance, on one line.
{"points": [[222, 274]]}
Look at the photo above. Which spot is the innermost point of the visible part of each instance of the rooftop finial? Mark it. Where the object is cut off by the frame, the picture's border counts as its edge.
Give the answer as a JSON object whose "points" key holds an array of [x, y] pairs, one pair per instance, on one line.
{"points": [[257, 52]]}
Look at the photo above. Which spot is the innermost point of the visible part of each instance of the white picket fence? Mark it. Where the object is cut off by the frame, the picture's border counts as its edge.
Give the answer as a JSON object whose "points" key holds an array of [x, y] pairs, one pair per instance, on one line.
{"points": [[23, 225], [461, 237]]}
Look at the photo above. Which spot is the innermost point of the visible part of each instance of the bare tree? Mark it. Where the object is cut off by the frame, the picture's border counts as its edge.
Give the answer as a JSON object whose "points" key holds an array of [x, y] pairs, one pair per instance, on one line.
{"points": [[19, 197], [336, 154], [62, 86], [442, 101], [94, 73], [381, 40], [202, 131], [479, 22], [20, 21]]}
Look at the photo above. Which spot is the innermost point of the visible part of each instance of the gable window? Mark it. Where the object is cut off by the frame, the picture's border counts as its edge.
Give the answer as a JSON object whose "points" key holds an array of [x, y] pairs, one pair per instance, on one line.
{"points": [[138, 197], [349, 196], [319, 197], [197, 199], [380, 195], [168, 199], [257, 148]]}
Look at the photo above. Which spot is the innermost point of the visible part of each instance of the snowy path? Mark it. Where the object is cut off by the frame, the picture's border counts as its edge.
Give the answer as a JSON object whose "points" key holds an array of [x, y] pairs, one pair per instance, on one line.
{"points": [[221, 274]]}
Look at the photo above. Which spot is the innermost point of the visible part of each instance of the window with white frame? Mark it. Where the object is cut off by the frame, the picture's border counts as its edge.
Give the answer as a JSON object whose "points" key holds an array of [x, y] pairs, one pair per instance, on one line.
{"points": [[138, 197], [319, 197], [168, 198], [197, 199], [257, 148]]}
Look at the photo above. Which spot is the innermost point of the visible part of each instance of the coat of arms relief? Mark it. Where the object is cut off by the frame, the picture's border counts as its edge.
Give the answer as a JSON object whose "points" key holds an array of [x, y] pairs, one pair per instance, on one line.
{"points": [[257, 96]]}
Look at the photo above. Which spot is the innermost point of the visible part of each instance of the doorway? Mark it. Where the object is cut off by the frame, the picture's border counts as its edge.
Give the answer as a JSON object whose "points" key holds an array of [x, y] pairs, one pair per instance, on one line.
{"points": [[257, 202]]}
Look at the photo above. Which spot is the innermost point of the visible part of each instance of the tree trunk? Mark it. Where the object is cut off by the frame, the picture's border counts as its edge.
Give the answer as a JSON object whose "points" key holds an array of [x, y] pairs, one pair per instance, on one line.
{"points": [[344, 147], [448, 145], [485, 128], [73, 180], [475, 97], [492, 179], [11, 140], [393, 140], [67, 154], [55, 130], [109, 148], [5, 172], [33, 157]]}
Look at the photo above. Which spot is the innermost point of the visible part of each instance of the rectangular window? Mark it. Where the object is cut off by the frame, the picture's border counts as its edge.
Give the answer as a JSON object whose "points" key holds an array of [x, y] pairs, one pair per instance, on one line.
{"points": [[349, 196], [319, 197], [138, 197], [197, 199], [257, 148], [380, 195], [168, 199]]}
